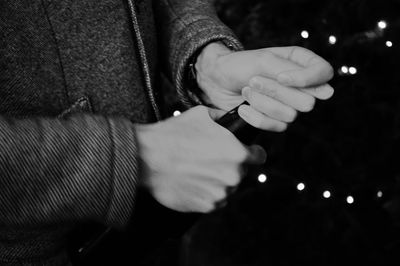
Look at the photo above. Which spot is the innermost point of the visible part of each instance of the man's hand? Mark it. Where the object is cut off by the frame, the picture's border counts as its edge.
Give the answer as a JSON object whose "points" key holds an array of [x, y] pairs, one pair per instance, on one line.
{"points": [[277, 82], [190, 161]]}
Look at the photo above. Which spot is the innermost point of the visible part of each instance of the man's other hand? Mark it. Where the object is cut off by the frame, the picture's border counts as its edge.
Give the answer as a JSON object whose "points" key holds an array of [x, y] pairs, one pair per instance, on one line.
{"points": [[277, 82], [190, 162]]}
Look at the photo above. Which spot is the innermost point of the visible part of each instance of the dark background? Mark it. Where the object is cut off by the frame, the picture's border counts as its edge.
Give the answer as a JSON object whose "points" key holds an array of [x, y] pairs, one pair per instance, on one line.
{"points": [[348, 145]]}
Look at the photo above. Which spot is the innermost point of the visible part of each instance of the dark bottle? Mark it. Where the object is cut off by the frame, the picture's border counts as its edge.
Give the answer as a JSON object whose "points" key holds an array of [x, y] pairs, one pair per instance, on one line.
{"points": [[241, 129]]}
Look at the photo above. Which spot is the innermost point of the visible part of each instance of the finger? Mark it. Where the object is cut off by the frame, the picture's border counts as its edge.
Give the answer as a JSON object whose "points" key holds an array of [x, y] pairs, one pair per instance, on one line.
{"points": [[204, 207], [299, 55], [315, 70], [218, 193], [215, 114], [311, 76], [257, 155], [258, 120], [271, 66], [226, 175], [299, 100], [322, 92], [269, 106]]}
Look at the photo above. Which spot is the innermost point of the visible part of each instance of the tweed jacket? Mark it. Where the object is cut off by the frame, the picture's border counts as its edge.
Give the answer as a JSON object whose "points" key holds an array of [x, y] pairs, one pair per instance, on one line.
{"points": [[75, 79]]}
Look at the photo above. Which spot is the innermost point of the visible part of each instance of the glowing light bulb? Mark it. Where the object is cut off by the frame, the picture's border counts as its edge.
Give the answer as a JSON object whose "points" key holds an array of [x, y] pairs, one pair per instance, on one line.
{"points": [[327, 194], [301, 186], [344, 69], [176, 113], [352, 70], [389, 44], [350, 200], [382, 24], [379, 194], [305, 34], [262, 178], [332, 39]]}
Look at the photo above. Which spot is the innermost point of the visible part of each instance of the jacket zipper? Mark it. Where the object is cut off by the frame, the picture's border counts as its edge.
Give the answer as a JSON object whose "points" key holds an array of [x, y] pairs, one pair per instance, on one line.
{"points": [[143, 59]]}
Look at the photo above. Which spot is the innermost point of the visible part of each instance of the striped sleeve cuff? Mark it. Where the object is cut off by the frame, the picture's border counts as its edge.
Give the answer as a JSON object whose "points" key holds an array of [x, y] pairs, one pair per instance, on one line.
{"points": [[125, 174]]}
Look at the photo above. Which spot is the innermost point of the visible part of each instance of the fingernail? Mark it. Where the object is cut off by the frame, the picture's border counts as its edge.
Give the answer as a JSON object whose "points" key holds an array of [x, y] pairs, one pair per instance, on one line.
{"points": [[285, 79], [242, 111], [246, 92], [325, 92]]}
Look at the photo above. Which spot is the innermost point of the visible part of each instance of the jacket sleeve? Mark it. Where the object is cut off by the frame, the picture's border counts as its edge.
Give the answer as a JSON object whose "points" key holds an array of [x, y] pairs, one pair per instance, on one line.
{"points": [[67, 170], [184, 27]]}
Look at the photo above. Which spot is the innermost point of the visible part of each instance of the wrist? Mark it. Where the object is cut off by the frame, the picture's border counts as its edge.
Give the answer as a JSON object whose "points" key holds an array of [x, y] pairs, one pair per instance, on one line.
{"points": [[203, 69], [145, 139], [211, 52], [206, 61]]}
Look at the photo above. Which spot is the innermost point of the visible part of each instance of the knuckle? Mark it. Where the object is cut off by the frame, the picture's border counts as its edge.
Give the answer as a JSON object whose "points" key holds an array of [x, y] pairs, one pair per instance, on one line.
{"points": [[294, 49], [231, 150], [208, 207], [242, 154], [271, 91], [220, 195], [233, 180]]}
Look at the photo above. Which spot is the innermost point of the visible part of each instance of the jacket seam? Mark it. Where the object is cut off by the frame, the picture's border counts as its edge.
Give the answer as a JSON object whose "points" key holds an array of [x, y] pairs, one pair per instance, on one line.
{"points": [[143, 59]]}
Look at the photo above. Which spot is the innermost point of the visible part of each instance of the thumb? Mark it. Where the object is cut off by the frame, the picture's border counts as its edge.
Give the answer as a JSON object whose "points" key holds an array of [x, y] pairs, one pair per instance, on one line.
{"points": [[256, 155], [215, 114]]}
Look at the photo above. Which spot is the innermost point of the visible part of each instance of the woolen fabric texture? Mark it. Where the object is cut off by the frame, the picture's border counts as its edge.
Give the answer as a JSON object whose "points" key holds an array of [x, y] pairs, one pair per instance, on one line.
{"points": [[71, 92]]}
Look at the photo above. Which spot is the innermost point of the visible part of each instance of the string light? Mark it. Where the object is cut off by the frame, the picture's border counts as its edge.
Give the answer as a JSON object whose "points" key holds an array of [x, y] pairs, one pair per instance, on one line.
{"points": [[305, 34], [382, 24], [262, 178], [301, 187], [350, 200], [176, 113], [327, 194], [332, 39], [344, 69], [352, 70], [389, 44]]}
